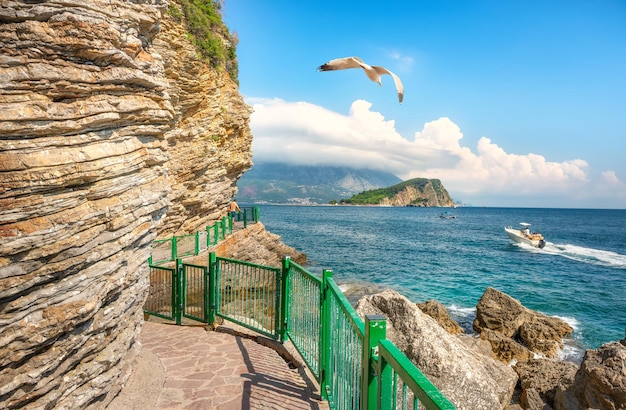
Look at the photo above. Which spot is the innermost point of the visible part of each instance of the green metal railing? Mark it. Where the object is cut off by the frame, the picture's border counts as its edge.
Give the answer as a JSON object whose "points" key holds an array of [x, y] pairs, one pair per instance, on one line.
{"points": [[354, 363], [302, 312], [162, 298], [170, 249], [248, 294]]}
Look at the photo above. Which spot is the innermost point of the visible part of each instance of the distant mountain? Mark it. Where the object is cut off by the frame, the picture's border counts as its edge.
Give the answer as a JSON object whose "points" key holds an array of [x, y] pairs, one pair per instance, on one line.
{"points": [[303, 184], [414, 192]]}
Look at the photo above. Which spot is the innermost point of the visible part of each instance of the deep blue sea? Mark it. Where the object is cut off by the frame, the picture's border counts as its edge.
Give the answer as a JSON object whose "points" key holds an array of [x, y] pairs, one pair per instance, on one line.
{"points": [[580, 275]]}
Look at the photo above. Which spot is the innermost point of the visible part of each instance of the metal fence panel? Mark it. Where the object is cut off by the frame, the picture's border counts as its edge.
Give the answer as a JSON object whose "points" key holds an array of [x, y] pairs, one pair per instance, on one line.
{"points": [[195, 286], [303, 315], [162, 251], [249, 295], [402, 384], [185, 245], [346, 341], [161, 299]]}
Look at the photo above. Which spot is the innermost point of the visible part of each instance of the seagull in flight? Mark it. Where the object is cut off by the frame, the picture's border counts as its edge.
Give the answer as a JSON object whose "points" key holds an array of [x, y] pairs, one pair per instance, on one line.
{"points": [[373, 72]]}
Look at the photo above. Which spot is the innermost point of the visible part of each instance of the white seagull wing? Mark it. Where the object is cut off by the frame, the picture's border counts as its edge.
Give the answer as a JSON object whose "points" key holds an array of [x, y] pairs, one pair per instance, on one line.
{"points": [[342, 64], [373, 72], [396, 81]]}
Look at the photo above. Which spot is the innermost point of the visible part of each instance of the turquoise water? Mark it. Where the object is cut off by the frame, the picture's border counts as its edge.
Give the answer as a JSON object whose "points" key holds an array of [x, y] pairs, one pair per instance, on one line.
{"points": [[579, 276]]}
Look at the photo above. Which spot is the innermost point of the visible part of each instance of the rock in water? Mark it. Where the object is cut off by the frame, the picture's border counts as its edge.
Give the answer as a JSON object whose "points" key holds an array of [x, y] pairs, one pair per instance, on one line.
{"points": [[468, 379], [500, 313], [438, 312], [600, 382]]}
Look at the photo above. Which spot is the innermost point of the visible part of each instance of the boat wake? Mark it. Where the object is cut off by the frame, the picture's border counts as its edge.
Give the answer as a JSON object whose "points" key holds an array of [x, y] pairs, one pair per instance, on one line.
{"points": [[586, 255]]}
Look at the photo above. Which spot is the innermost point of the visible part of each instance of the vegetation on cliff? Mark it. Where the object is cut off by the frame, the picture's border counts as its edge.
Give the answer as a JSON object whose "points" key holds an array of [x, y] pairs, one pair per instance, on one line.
{"points": [[423, 189], [208, 33]]}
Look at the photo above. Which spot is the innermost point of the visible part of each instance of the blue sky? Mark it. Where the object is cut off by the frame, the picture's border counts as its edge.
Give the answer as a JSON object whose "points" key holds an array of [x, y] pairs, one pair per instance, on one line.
{"points": [[508, 103]]}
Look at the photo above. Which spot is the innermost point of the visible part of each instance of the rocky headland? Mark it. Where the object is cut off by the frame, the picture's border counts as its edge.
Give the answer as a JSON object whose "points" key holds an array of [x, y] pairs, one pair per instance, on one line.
{"points": [[511, 362], [418, 192]]}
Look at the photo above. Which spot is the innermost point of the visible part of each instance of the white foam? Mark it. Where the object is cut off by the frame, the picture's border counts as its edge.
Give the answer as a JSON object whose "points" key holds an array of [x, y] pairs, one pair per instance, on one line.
{"points": [[344, 288], [462, 311], [571, 351], [572, 321], [587, 255]]}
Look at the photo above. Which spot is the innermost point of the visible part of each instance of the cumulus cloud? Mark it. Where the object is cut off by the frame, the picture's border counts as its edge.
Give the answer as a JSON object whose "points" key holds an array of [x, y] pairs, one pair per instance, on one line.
{"points": [[303, 133], [611, 178]]}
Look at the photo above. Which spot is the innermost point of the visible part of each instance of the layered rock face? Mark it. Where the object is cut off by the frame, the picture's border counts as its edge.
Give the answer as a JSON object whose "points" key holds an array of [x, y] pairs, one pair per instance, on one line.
{"points": [[111, 133]]}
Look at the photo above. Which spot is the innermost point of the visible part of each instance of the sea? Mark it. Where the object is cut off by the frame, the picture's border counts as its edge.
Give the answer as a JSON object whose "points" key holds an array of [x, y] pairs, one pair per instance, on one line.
{"points": [[579, 276]]}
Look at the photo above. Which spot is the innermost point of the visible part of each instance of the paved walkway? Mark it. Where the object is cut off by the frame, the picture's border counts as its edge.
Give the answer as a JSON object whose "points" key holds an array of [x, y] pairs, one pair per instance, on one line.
{"points": [[190, 367]]}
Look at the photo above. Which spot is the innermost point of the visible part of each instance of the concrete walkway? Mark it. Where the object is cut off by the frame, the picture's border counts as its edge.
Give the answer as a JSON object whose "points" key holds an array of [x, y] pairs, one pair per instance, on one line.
{"points": [[190, 367]]}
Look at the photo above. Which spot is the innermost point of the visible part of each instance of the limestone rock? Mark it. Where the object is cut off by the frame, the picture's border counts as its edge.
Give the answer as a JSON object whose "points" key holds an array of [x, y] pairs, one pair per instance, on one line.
{"points": [[501, 313], [498, 311], [111, 132], [467, 378], [544, 377], [531, 400], [600, 382], [504, 348], [256, 245], [438, 312]]}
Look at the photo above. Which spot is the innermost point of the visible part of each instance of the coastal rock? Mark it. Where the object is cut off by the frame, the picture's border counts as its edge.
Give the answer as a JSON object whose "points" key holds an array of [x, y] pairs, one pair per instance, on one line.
{"points": [[600, 382], [544, 377], [112, 133], [501, 313], [504, 348], [467, 378], [256, 245], [437, 311], [531, 400]]}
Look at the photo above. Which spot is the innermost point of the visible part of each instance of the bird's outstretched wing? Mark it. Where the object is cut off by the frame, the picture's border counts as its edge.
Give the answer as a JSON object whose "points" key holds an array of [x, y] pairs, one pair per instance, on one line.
{"points": [[396, 81], [342, 64], [373, 72]]}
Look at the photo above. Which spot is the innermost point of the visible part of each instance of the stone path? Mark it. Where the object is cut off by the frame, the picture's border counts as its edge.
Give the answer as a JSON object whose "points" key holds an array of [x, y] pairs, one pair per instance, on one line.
{"points": [[204, 369]]}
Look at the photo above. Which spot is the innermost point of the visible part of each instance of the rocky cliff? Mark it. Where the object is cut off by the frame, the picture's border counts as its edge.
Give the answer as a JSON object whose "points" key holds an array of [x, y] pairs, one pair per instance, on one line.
{"points": [[420, 192], [112, 133]]}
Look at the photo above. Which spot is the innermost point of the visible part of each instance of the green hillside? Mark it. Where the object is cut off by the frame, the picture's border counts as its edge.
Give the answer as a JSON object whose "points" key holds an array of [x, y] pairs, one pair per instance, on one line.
{"points": [[375, 196]]}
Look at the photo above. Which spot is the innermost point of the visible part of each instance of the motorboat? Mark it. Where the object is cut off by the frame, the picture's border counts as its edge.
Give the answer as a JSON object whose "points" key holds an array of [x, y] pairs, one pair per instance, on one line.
{"points": [[524, 235], [447, 215]]}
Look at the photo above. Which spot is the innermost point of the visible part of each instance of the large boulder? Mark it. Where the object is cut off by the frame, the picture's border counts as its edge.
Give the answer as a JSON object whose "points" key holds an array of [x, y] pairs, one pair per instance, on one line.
{"points": [[437, 311], [467, 378], [505, 315], [542, 378], [506, 349], [600, 382]]}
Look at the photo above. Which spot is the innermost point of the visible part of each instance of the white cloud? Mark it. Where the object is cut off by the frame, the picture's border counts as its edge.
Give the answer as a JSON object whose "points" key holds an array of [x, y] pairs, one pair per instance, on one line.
{"points": [[303, 133], [611, 178]]}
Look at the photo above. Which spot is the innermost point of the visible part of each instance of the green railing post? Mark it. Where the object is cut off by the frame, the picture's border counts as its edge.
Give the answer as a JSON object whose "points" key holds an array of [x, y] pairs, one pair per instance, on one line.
{"points": [[324, 347], [375, 330], [285, 298], [174, 250], [223, 227], [256, 214], [149, 260], [245, 217], [178, 291], [197, 250], [230, 223], [216, 232], [210, 298]]}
